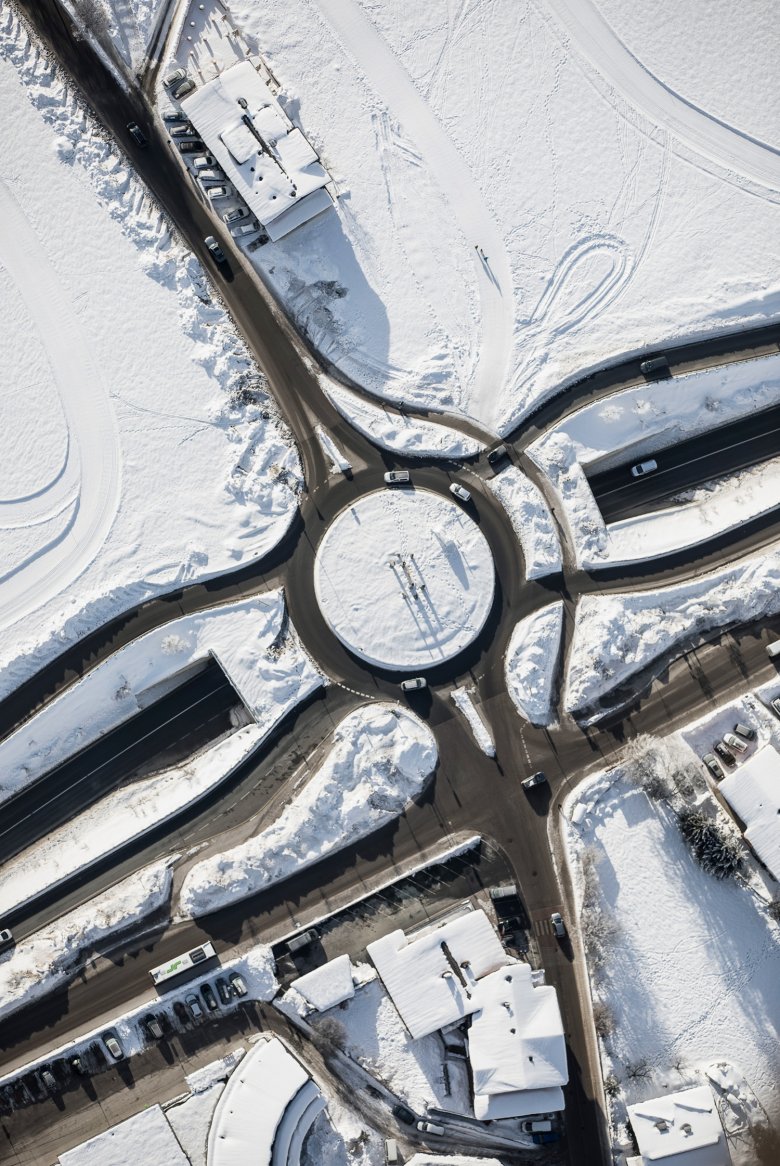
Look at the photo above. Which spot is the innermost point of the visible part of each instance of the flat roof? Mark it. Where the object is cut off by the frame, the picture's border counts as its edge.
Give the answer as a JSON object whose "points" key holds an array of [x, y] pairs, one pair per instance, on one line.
{"points": [[328, 985], [145, 1137], [269, 161], [753, 792], [680, 1129]]}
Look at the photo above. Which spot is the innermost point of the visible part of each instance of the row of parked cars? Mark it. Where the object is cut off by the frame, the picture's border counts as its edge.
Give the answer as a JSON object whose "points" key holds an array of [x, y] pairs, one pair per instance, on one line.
{"points": [[732, 745]]}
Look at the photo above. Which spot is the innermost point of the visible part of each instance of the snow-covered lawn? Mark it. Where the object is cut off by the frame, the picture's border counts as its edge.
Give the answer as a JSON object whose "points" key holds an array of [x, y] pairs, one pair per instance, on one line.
{"points": [[691, 975], [380, 758], [252, 639], [632, 424], [139, 447], [531, 663], [501, 230], [52, 955], [617, 635], [531, 521]]}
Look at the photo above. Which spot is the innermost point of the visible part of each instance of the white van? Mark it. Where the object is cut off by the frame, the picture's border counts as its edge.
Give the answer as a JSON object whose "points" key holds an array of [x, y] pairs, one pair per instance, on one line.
{"points": [[773, 650], [392, 1156]]}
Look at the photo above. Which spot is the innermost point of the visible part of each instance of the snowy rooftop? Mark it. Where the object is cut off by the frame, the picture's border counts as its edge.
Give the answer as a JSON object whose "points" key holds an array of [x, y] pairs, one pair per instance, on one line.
{"points": [[268, 160], [432, 978], [265, 1111], [146, 1137], [327, 986], [516, 1046], [682, 1128], [753, 792]]}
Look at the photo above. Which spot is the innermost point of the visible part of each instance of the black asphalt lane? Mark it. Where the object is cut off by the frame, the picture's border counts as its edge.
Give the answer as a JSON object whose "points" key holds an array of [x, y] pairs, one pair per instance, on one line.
{"points": [[747, 442]]}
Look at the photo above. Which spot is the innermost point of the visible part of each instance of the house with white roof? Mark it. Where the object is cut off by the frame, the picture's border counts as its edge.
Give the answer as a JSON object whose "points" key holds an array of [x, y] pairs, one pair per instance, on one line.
{"points": [[753, 792], [681, 1129], [271, 164]]}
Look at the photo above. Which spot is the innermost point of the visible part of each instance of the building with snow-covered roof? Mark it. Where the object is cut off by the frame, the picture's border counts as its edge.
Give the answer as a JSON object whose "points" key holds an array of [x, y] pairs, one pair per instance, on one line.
{"points": [[432, 978], [753, 792], [681, 1129], [265, 1111], [516, 1046], [269, 161], [328, 985], [145, 1137]]}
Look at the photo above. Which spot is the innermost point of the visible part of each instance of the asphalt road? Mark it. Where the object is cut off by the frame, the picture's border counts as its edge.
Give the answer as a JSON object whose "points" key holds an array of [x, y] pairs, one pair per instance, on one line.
{"points": [[687, 464], [469, 791]]}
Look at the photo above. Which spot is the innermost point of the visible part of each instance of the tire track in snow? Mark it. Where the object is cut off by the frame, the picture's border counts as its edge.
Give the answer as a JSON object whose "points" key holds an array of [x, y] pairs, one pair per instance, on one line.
{"points": [[93, 471], [704, 133], [393, 85]]}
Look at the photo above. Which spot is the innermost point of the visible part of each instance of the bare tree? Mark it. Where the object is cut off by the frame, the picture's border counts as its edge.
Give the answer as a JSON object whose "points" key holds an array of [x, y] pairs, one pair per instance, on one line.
{"points": [[603, 1019]]}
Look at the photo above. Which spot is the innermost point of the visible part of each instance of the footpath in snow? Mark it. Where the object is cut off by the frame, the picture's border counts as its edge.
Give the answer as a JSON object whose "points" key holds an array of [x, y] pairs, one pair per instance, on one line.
{"points": [[380, 758]]}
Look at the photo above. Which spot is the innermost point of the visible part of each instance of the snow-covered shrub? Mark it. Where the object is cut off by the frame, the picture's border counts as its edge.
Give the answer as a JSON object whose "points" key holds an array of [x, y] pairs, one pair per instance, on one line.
{"points": [[611, 1085], [715, 847], [331, 1034], [603, 1019]]}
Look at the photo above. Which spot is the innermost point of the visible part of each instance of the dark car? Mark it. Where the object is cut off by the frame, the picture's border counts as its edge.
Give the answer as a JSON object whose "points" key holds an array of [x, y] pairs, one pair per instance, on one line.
{"points": [[207, 993], [238, 984], [712, 763], [724, 753], [137, 134], [49, 1080], [776, 705], [152, 1027], [196, 147], [655, 366], [404, 1114], [77, 1065], [497, 455], [224, 991], [745, 731], [216, 251], [535, 779]]}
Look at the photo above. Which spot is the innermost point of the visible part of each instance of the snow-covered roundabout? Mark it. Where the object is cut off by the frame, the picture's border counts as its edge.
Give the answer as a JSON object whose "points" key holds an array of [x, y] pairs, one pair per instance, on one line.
{"points": [[404, 578]]}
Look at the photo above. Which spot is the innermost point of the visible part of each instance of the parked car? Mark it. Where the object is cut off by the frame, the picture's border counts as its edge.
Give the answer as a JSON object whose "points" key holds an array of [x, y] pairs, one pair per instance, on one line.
{"points": [[712, 763], [207, 992], [181, 1013], [497, 455], [535, 779], [303, 940], [244, 230], [641, 469], [773, 650], [183, 89], [173, 116], [414, 684], [49, 1080], [193, 1003], [77, 1065], [137, 134], [215, 249], [238, 984], [558, 926], [397, 478], [6, 938], [113, 1045], [203, 161], [655, 365], [209, 176], [403, 1114], [724, 753], [215, 192], [191, 147], [235, 216], [183, 130], [224, 991], [430, 1127], [392, 1157], [735, 742], [460, 492], [776, 705], [152, 1027], [175, 78], [745, 731], [536, 1127]]}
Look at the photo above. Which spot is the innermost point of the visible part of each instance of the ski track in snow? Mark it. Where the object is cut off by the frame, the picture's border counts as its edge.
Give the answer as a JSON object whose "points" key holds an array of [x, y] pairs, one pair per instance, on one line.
{"points": [[716, 140], [388, 78]]}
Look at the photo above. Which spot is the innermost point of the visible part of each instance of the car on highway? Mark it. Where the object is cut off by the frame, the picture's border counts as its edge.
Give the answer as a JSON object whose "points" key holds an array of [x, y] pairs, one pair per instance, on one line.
{"points": [[152, 1027], [238, 984], [724, 753], [113, 1045], [654, 366], [137, 134], [6, 938], [641, 469], [773, 650], [497, 455], [193, 1003], [397, 478], [224, 991], [235, 216], [460, 491], [216, 192], [182, 90], [558, 926], [735, 743], [216, 251], [745, 731], [207, 992], [535, 779], [430, 1127], [175, 78], [414, 684], [403, 1114], [714, 766]]}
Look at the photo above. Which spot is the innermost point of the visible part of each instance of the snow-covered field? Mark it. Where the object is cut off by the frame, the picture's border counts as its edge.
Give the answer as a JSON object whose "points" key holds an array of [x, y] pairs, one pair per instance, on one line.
{"points": [[691, 975], [253, 640], [531, 663], [531, 521], [501, 230], [632, 424], [380, 758], [139, 447], [617, 635]]}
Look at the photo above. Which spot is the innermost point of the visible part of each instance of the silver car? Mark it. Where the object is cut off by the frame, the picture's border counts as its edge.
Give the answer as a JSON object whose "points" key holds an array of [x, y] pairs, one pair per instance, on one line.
{"points": [[558, 926], [643, 468], [460, 492]]}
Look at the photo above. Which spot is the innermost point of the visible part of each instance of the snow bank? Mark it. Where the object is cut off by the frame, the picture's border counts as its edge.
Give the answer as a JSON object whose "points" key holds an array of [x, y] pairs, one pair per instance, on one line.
{"points": [[137, 482], [634, 423], [128, 26], [616, 636], [381, 757], [531, 663], [464, 700], [409, 436], [253, 641], [531, 521], [338, 463], [144, 1137], [190, 1121], [117, 819], [53, 955]]}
